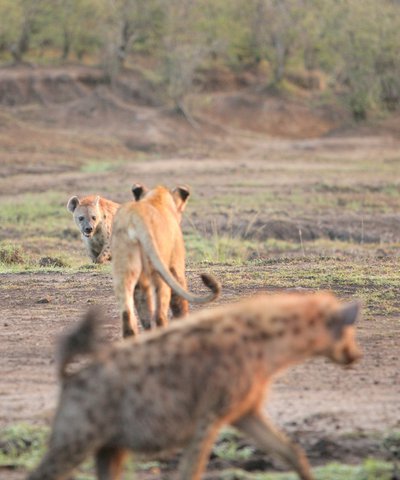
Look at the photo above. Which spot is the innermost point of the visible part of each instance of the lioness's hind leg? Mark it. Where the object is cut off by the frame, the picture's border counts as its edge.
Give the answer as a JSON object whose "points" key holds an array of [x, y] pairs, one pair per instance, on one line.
{"points": [[145, 305], [163, 298], [179, 306], [126, 275], [258, 427]]}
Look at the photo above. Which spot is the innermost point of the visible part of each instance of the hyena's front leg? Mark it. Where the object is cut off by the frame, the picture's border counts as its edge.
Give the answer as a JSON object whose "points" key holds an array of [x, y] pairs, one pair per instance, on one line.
{"points": [[109, 463], [270, 439], [195, 456], [90, 250], [105, 255], [62, 459]]}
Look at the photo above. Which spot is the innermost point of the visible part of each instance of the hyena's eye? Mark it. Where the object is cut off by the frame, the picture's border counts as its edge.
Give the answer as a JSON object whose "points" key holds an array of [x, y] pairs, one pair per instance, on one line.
{"points": [[93, 218], [81, 219]]}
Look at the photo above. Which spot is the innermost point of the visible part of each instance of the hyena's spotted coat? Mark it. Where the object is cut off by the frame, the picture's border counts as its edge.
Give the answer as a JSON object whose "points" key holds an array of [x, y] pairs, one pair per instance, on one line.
{"points": [[176, 387]]}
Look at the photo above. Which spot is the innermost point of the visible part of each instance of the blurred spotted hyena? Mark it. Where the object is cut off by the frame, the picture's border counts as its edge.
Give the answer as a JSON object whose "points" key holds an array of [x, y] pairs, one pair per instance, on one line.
{"points": [[177, 387]]}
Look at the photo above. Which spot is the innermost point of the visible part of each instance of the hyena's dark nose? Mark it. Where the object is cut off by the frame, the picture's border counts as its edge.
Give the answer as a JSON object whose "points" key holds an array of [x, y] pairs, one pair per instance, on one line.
{"points": [[88, 230]]}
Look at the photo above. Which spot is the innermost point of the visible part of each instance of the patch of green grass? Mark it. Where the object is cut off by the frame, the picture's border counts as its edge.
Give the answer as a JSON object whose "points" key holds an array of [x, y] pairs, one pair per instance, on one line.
{"points": [[232, 250], [228, 446], [305, 198], [99, 166], [375, 281], [371, 469], [391, 443], [54, 267], [11, 254], [46, 254], [22, 445], [40, 213], [218, 249]]}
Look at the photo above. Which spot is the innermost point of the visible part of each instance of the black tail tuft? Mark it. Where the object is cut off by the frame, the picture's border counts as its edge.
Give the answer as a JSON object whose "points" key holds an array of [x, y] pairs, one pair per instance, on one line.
{"points": [[212, 283], [82, 339]]}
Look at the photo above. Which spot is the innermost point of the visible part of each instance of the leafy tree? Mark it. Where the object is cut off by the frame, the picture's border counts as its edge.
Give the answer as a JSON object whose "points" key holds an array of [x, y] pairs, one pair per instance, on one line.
{"points": [[183, 49], [354, 42], [129, 25], [276, 28], [18, 25], [78, 24]]}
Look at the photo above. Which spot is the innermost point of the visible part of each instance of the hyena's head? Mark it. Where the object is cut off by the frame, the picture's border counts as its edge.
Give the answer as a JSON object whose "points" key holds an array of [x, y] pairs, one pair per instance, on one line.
{"points": [[342, 347], [86, 213]]}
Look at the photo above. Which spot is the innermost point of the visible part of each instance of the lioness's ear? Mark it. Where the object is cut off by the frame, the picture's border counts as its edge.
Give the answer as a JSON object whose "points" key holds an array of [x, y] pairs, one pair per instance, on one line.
{"points": [[181, 196], [138, 191], [345, 316], [73, 202]]}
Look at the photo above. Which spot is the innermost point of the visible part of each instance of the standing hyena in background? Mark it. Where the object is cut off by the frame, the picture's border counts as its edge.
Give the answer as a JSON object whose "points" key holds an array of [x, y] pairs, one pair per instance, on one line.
{"points": [[177, 387], [94, 216]]}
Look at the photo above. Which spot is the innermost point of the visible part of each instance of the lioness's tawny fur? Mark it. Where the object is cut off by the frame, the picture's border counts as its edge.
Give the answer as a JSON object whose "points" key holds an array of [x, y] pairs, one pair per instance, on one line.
{"points": [[176, 387], [148, 250], [94, 216]]}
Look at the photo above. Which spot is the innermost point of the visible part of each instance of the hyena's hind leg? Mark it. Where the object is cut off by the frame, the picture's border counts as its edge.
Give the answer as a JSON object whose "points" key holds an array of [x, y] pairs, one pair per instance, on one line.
{"points": [[270, 439], [109, 463]]}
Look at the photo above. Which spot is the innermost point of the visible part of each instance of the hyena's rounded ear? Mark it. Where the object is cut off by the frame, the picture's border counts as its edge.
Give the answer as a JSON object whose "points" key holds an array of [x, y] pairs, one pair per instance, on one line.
{"points": [[181, 195], [138, 191], [73, 202], [349, 312], [344, 317]]}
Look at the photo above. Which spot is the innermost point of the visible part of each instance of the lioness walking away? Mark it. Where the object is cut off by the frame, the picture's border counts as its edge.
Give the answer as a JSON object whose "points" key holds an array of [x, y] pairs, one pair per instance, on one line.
{"points": [[94, 216], [147, 250], [176, 387]]}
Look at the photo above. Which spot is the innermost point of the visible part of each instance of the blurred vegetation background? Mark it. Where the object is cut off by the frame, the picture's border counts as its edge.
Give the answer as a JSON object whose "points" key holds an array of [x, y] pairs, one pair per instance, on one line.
{"points": [[351, 46]]}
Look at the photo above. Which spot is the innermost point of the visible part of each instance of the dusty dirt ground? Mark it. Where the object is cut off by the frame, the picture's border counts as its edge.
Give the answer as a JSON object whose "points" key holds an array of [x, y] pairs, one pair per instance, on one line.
{"points": [[336, 414]]}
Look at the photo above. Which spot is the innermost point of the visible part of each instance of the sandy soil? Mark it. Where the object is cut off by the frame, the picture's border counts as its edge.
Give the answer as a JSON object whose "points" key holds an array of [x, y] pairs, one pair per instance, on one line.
{"points": [[335, 413]]}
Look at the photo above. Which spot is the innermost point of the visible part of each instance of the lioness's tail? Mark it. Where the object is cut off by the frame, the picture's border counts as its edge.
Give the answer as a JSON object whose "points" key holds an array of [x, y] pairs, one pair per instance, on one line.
{"points": [[82, 339], [149, 246]]}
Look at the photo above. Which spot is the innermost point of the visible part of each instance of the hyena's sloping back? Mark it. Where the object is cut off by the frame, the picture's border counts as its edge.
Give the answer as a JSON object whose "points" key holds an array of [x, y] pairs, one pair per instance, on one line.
{"points": [[82, 339]]}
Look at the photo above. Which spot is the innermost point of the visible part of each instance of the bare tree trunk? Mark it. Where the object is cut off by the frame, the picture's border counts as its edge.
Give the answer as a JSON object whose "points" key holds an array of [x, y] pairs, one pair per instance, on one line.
{"points": [[281, 54], [66, 47], [22, 46], [127, 38]]}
